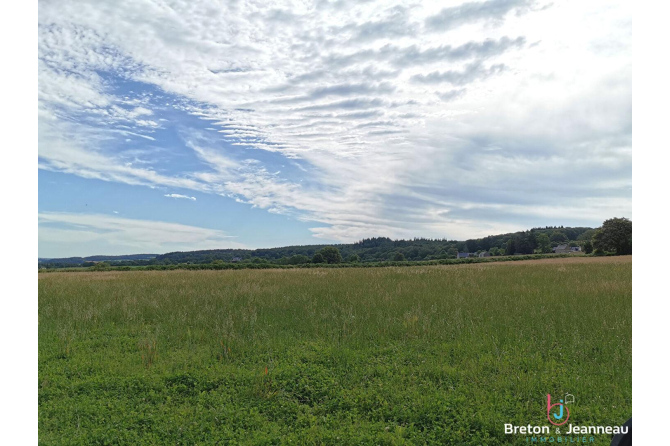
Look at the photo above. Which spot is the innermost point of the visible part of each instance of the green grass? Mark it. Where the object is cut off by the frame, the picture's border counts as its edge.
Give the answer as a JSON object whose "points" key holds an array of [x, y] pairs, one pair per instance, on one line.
{"points": [[419, 355], [103, 266]]}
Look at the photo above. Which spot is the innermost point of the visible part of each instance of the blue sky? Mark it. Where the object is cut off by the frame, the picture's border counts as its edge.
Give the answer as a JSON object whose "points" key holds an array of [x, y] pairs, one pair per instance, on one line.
{"points": [[201, 125]]}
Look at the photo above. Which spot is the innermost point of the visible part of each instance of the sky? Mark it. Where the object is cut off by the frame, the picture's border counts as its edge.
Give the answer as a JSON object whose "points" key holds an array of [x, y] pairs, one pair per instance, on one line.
{"points": [[183, 125]]}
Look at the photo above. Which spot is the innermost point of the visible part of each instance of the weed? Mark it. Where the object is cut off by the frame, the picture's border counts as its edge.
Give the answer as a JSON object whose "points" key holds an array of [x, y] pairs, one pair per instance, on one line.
{"points": [[148, 351]]}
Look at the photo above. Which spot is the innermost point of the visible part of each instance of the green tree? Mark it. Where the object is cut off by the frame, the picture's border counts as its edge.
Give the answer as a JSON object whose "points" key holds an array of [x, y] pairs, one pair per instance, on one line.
{"points": [[558, 237], [525, 243], [543, 243], [452, 253], [531, 241], [331, 254], [588, 247], [399, 257], [510, 248], [318, 258], [615, 235], [354, 258], [100, 266], [298, 259], [586, 235]]}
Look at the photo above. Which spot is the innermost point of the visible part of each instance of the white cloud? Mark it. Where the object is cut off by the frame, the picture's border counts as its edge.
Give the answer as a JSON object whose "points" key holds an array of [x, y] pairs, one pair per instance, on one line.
{"points": [[405, 117], [64, 234], [180, 196]]}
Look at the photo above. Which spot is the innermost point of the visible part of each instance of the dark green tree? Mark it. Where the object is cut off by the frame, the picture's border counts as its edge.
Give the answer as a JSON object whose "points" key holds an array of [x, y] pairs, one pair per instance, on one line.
{"points": [[543, 243], [558, 237], [353, 258], [399, 257], [523, 244], [298, 259], [615, 235], [318, 258], [531, 239], [331, 254], [586, 235], [510, 248], [588, 247]]}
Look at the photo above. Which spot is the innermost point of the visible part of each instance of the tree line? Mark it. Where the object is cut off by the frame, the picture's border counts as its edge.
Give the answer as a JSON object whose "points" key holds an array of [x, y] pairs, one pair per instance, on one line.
{"points": [[613, 237]]}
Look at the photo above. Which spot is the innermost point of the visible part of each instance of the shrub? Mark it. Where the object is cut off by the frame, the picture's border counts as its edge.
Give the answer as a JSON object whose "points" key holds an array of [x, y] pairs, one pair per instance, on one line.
{"points": [[331, 254], [399, 257]]}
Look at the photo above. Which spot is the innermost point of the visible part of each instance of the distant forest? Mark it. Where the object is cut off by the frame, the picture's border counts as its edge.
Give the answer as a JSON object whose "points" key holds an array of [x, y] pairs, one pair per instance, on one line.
{"points": [[378, 249]]}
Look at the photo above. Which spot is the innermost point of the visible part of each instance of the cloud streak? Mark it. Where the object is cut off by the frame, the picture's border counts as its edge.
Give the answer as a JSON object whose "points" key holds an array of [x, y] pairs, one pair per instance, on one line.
{"points": [[185, 197], [474, 12], [471, 73]]}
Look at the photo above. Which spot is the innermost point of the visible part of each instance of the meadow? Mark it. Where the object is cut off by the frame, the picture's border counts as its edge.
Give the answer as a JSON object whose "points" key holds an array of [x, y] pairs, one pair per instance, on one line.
{"points": [[373, 356]]}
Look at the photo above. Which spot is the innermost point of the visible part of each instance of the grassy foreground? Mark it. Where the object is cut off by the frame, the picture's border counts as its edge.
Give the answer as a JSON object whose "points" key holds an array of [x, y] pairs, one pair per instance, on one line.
{"points": [[419, 355]]}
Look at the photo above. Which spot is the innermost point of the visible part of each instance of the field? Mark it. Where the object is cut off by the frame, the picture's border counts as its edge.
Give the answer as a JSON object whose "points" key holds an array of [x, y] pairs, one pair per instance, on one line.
{"points": [[379, 356]]}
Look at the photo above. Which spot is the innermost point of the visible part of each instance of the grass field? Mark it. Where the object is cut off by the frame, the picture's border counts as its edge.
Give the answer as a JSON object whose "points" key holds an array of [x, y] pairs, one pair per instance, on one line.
{"points": [[411, 355]]}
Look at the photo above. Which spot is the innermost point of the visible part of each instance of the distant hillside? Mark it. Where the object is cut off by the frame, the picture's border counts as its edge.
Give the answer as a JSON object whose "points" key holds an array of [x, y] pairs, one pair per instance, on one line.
{"points": [[70, 261], [383, 248], [367, 250]]}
